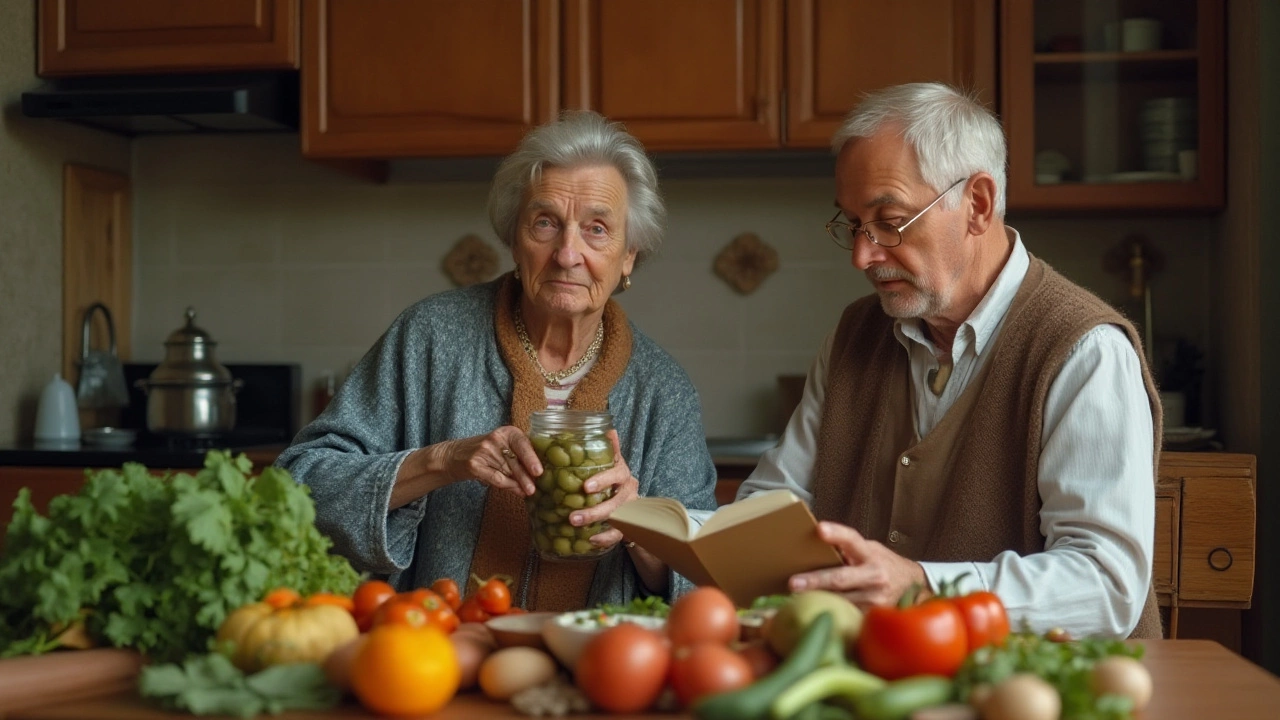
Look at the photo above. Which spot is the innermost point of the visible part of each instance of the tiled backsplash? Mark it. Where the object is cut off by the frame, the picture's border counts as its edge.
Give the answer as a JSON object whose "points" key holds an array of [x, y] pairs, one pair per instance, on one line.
{"points": [[286, 260]]}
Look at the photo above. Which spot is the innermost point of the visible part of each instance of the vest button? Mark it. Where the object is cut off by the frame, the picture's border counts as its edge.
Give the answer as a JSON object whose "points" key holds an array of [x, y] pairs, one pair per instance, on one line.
{"points": [[893, 534], [906, 460]]}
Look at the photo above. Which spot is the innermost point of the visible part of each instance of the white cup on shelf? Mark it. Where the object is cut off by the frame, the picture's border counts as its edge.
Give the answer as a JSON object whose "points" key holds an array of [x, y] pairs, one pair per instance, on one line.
{"points": [[1188, 162], [1140, 34]]}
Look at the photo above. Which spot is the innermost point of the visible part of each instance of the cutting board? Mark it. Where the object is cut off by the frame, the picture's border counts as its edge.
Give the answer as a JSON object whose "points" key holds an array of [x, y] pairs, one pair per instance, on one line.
{"points": [[97, 266], [68, 675]]}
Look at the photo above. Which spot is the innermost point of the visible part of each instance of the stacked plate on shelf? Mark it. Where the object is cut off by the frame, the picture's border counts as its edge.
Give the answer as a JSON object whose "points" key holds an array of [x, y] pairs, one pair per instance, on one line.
{"points": [[1168, 127]]}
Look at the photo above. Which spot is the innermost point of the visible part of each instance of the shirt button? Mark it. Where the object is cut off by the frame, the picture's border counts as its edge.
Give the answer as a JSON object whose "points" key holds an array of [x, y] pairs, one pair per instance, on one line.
{"points": [[893, 534], [906, 460]]}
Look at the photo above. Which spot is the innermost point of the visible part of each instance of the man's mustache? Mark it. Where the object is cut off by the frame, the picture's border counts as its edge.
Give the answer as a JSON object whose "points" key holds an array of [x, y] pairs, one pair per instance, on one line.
{"points": [[882, 273]]}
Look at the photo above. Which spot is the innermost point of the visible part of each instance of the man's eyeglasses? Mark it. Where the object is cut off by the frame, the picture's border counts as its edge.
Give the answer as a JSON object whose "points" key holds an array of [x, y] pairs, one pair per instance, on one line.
{"points": [[881, 232]]}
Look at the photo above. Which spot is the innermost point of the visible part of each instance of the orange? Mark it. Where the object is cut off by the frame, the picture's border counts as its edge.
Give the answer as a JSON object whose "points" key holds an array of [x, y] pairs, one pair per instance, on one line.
{"points": [[403, 670]]}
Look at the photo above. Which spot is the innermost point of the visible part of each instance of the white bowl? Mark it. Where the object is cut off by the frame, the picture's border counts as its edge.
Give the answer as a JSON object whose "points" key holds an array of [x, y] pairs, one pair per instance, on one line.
{"points": [[520, 629], [567, 634]]}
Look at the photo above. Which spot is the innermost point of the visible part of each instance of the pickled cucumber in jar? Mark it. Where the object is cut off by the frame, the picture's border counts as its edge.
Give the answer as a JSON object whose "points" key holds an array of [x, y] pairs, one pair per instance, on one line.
{"points": [[573, 445]]}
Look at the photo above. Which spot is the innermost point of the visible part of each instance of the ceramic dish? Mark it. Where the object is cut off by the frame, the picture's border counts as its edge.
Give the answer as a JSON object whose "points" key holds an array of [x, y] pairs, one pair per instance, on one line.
{"points": [[109, 437], [567, 634], [520, 630]]}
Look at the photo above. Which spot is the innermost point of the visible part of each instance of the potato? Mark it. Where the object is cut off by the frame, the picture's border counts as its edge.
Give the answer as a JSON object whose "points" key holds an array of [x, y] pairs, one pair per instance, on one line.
{"points": [[472, 648], [1124, 676], [513, 669]]}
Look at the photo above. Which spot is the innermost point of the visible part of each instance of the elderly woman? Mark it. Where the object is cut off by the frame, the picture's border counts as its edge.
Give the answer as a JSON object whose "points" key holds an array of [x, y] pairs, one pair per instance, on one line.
{"points": [[420, 466]]}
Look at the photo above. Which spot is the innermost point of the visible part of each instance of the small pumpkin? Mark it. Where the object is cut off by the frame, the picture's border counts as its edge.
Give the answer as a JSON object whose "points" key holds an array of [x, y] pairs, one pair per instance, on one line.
{"points": [[263, 636]]}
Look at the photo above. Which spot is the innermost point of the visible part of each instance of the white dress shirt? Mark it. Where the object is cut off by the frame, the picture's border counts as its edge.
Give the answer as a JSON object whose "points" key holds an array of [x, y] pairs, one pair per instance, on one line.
{"points": [[1095, 479]]}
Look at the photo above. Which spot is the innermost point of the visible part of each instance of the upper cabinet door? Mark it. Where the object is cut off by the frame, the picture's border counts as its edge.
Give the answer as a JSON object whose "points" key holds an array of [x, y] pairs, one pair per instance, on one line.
{"points": [[680, 75], [391, 78], [1114, 105], [87, 37], [838, 49]]}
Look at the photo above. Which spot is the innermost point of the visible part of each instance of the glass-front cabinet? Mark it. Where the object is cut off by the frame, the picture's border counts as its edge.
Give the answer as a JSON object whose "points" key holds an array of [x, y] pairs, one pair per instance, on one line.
{"points": [[1114, 104]]}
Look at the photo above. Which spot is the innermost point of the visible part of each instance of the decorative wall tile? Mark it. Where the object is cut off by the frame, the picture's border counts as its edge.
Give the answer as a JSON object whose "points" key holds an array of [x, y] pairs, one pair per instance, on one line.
{"points": [[745, 263], [470, 261]]}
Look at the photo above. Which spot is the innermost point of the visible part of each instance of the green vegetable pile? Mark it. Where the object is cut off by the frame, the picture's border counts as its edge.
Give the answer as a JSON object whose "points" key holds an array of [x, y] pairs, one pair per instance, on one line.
{"points": [[211, 685], [155, 564], [1065, 665], [652, 606]]}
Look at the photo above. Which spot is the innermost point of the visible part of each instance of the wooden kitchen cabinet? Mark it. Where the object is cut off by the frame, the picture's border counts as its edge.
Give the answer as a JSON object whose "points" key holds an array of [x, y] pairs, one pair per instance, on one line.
{"points": [[836, 50], [387, 78], [1114, 104], [680, 75], [93, 37], [1205, 532]]}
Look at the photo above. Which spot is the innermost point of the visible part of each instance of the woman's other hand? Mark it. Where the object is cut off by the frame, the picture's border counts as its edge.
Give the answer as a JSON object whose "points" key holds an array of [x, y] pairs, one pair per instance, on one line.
{"points": [[503, 459], [625, 489]]}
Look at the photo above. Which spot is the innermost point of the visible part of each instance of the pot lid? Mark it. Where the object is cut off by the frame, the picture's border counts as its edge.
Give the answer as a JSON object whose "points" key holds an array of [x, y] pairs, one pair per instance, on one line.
{"points": [[188, 358], [189, 334]]}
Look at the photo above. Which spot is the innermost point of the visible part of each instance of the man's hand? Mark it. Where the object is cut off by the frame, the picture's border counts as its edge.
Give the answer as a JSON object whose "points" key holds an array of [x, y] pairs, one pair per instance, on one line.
{"points": [[872, 574]]}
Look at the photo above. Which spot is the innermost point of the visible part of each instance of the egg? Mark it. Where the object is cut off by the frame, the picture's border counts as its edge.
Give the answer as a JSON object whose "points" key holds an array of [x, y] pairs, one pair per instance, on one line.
{"points": [[510, 670], [471, 649]]}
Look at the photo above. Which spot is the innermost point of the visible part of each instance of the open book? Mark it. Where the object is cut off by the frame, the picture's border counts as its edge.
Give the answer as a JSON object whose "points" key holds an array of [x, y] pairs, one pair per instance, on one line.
{"points": [[747, 548]]}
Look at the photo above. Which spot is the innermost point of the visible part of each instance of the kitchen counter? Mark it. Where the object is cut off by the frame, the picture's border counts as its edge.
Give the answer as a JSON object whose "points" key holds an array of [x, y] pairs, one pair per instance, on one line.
{"points": [[1193, 679], [156, 456]]}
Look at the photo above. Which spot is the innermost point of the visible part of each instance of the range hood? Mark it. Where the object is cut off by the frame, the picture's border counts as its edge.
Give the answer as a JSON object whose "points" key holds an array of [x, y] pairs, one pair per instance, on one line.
{"points": [[157, 104]]}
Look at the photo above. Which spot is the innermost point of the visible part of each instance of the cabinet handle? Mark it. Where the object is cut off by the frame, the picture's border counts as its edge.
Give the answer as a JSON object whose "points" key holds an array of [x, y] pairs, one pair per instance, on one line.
{"points": [[1220, 559]]}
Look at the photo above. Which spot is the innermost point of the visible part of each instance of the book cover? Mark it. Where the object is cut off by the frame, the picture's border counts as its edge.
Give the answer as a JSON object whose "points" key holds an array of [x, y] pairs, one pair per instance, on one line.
{"points": [[748, 548]]}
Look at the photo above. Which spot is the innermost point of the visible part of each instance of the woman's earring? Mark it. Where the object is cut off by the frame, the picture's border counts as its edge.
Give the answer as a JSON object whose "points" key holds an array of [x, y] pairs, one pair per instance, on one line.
{"points": [[517, 272], [626, 282]]}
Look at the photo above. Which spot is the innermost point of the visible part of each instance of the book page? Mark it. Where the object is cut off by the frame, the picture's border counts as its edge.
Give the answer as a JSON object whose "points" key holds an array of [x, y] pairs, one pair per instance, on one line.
{"points": [[659, 514], [746, 509]]}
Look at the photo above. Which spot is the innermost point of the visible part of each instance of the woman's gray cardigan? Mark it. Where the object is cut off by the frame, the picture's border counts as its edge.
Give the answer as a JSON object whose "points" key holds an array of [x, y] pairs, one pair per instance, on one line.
{"points": [[437, 374]]}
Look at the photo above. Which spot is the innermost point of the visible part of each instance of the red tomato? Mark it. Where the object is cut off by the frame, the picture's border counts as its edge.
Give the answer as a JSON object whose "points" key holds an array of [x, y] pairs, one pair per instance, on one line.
{"points": [[924, 639], [471, 612], [448, 589], [985, 620], [624, 668], [707, 668], [366, 600], [759, 657], [400, 612], [494, 596], [704, 615]]}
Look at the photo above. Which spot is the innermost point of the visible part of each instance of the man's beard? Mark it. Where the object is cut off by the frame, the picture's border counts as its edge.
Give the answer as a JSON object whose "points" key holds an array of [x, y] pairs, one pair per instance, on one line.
{"points": [[917, 302]]}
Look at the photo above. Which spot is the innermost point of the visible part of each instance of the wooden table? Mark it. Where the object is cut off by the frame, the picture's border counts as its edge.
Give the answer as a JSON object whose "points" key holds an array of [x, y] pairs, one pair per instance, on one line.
{"points": [[1194, 680]]}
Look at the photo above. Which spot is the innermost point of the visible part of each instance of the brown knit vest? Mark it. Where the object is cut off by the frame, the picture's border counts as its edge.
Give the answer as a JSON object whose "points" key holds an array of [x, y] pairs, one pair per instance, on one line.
{"points": [[990, 500], [505, 545]]}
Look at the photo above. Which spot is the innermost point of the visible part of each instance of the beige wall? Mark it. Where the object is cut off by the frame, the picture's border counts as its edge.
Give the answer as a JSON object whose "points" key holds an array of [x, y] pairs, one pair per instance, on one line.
{"points": [[288, 261], [32, 154]]}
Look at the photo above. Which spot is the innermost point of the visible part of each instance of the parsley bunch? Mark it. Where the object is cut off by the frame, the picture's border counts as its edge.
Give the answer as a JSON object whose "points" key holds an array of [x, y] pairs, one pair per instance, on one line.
{"points": [[1066, 666], [211, 685], [156, 564]]}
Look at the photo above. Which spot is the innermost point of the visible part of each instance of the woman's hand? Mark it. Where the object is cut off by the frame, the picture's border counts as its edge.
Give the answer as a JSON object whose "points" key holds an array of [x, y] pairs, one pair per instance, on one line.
{"points": [[625, 489], [503, 459]]}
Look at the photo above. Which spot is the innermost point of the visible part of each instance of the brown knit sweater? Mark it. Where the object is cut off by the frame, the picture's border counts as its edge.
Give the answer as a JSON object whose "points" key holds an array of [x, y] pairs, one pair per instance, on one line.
{"points": [[969, 490]]}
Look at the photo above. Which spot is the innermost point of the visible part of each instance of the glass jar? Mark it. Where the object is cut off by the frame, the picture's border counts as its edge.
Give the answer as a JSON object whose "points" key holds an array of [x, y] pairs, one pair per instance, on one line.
{"points": [[573, 445]]}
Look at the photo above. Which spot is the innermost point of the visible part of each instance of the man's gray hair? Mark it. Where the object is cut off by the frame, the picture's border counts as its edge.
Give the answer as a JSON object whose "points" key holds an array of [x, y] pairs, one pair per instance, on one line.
{"points": [[953, 134], [581, 139]]}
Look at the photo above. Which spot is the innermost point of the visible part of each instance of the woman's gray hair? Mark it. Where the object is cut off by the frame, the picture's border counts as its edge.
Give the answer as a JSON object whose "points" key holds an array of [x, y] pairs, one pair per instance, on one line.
{"points": [[578, 139], [953, 134]]}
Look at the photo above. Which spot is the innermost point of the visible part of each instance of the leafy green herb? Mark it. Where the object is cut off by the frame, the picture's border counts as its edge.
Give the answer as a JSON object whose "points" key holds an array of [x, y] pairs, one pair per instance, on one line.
{"points": [[766, 602], [211, 685], [1065, 665], [653, 606], [158, 563]]}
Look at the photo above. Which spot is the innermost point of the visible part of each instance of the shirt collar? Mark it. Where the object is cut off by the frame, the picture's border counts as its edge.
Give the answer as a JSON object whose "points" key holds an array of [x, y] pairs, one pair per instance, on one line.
{"points": [[987, 316]]}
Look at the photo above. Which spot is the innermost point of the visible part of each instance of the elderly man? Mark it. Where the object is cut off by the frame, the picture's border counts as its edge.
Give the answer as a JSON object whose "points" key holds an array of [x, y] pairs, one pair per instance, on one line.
{"points": [[979, 416]]}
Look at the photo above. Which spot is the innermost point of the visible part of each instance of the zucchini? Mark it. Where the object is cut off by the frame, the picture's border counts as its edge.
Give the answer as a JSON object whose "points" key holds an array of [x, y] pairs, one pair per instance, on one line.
{"points": [[753, 702], [849, 683], [898, 699]]}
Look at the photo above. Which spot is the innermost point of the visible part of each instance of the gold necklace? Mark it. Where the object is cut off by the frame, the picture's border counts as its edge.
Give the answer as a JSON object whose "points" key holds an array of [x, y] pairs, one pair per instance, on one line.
{"points": [[553, 378]]}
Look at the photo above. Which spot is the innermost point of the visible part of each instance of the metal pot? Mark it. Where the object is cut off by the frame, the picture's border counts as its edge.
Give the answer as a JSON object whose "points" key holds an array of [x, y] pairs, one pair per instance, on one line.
{"points": [[190, 392]]}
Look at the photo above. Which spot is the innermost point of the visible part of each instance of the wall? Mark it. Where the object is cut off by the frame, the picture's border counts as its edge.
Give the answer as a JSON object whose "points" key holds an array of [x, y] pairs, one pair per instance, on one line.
{"points": [[286, 260], [32, 154]]}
